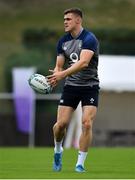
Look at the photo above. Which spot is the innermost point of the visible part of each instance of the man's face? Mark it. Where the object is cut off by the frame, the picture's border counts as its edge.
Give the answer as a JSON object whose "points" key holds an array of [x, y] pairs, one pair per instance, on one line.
{"points": [[70, 22]]}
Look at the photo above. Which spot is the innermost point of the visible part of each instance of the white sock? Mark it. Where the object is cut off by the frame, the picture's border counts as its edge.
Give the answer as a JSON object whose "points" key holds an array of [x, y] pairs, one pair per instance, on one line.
{"points": [[58, 147], [81, 158]]}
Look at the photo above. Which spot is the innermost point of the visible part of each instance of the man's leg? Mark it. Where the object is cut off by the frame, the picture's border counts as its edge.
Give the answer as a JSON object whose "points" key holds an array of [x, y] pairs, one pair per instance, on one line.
{"points": [[89, 113], [74, 129], [63, 117]]}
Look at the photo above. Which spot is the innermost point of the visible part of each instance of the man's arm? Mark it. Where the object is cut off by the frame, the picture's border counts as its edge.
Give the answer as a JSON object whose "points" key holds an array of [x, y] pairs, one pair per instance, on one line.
{"points": [[60, 61], [85, 58]]}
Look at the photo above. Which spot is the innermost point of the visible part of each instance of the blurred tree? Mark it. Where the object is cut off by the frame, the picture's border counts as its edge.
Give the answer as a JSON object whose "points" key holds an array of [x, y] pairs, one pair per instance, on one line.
{"points": [[39, 52], [116, 41]]}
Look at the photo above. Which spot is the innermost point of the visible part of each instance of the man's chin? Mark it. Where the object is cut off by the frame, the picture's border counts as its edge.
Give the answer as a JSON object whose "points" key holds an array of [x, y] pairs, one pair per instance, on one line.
{"points": [[66, 30]]}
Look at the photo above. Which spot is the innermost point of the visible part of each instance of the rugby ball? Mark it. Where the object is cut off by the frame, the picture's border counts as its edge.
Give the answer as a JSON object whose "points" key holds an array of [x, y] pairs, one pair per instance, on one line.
{"points": [[39, 83]]}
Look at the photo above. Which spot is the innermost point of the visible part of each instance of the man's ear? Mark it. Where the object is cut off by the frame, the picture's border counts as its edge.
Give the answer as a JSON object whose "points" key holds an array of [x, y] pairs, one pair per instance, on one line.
{"points": [[78, 20]]}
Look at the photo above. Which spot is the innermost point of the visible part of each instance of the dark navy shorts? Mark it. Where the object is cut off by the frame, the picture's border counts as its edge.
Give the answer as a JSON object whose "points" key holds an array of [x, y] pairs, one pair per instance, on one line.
{"points": [[72, 95]]}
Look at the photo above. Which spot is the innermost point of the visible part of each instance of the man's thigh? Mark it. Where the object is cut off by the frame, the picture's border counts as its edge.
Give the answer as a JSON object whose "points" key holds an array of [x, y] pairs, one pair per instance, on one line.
{"points": [[89, 113], [64, 113]]}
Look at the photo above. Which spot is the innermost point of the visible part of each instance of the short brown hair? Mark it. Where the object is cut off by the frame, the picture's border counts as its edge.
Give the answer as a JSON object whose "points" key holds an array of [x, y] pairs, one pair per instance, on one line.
{"points": [[76, 11]]}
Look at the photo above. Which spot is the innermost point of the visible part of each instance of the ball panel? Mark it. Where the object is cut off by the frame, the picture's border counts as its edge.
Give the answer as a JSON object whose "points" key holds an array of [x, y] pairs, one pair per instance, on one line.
{"points": [[39, 83]]}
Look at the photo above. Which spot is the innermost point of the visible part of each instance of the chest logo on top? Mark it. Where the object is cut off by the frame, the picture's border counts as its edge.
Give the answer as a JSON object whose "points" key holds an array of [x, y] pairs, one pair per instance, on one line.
{"points": [[64, 48], [74, 57], [80, 45]]}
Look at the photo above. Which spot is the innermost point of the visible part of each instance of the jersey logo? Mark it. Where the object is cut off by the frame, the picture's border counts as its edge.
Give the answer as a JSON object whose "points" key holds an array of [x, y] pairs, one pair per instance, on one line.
{"points": [[61, 100], [64, 48], [91, 100], [80, 45], [74, 57]]}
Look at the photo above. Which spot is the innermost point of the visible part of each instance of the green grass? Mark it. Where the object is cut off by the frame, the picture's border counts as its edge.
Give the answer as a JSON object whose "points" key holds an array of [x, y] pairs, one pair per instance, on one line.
{"points": [[36, 163]]}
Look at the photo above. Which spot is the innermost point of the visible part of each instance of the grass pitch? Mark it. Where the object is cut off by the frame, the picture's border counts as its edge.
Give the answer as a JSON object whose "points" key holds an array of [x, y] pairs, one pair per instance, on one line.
{"points": [[36, 163]]}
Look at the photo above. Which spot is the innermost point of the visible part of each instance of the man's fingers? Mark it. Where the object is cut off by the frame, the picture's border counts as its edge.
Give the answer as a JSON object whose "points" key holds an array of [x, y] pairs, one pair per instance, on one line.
{"points": [[54, 84], [50, 76], [50, 70]]}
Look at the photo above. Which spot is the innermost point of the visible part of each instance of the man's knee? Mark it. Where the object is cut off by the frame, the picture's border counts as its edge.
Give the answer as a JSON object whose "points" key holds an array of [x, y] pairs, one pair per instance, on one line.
{"points": [[87, 125], [89, 114], [60, 125], [87, 122]]}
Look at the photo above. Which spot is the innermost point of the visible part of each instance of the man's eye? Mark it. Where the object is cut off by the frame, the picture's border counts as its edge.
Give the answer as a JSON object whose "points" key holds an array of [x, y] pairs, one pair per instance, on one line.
{"points": [[67, 19]]}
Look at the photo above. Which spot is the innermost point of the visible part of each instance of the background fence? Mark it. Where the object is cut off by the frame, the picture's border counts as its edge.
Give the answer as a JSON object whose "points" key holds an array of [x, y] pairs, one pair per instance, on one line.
{"points": [[114, 125]]}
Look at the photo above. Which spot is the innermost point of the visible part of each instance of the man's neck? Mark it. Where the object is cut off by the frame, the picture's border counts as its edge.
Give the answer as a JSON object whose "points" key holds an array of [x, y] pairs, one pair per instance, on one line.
{"points": [[77, 32]]}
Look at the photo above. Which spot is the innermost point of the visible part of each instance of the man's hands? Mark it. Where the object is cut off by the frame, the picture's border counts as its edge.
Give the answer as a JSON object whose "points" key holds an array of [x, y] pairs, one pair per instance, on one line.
{"points": [[55, 77]]}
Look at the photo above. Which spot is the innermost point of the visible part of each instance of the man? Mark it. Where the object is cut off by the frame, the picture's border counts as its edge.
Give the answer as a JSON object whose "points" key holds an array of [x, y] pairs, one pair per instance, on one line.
{"points": [[79, 48]]}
